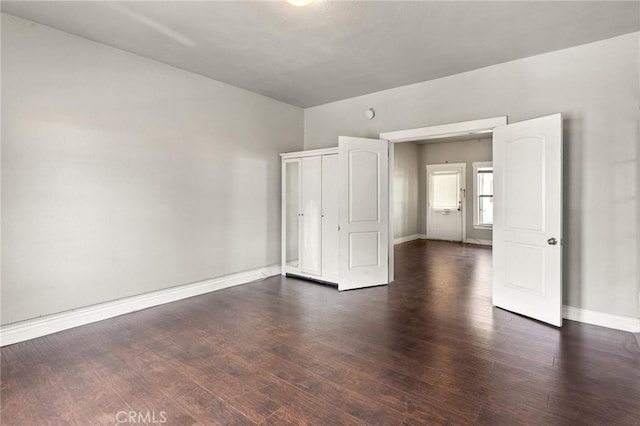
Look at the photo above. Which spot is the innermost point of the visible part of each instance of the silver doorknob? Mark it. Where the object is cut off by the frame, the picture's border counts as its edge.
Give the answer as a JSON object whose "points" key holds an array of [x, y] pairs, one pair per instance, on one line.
{"points": [[552, 241]]}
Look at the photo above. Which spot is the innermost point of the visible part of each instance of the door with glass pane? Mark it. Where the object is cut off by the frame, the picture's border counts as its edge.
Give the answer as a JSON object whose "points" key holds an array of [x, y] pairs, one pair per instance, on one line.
{"points": [[446, 201], [291, 214]]}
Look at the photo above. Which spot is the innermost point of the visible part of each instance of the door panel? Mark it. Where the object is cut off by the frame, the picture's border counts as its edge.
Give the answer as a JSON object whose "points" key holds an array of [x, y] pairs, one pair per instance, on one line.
{"points": [[364, 250], [311, 215], [527, 265], [364, 214], [524, 268], [524, 166], [330, 217], [364, 170]]}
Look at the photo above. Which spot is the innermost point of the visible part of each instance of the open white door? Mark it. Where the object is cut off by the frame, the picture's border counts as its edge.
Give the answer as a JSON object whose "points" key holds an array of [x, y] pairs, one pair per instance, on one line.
{"points": [[527, 227], [364, 212]]}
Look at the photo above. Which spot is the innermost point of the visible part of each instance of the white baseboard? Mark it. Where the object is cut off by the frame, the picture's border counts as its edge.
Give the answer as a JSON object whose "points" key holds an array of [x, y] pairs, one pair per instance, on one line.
{"points": [[407, 238], [37, 327], [480, 242], [602, 319]]}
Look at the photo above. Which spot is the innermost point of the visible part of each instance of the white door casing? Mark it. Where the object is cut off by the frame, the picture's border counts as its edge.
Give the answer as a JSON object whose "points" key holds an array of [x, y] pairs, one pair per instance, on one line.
{"points": [[527, 228], [473, 127], [363, 212], [445, 214]]}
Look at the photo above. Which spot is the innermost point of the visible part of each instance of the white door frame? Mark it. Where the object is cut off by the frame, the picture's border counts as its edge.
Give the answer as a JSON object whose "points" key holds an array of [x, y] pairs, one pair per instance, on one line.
{"points": [[463, 204], [474, 127]]}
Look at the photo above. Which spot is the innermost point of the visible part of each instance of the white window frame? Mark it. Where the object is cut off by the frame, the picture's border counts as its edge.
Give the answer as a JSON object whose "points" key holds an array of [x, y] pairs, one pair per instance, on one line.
{"points": [[478, 165]]}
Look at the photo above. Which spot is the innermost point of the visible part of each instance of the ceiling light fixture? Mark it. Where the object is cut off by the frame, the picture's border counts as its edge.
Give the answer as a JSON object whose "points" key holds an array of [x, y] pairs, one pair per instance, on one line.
{"points": [[300, 3]]}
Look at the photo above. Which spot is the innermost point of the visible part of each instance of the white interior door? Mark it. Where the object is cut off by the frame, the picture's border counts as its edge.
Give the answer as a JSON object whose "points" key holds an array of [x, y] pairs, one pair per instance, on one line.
{"points": [[311, 259], [445, 206], [527, 227], [330, 234], [364, 212]]}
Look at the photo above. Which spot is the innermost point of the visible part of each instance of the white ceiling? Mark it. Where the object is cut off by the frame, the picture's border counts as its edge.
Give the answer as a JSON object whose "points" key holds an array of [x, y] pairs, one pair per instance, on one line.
{"points": [[333, 50]]}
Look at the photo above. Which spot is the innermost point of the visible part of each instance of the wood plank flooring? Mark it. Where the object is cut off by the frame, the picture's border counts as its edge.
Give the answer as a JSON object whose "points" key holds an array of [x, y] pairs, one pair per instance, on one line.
{"points": [[427, 349]]}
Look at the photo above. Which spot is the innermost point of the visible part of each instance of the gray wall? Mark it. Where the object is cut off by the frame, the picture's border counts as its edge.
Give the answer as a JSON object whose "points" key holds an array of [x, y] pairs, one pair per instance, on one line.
{"points": [[121, 175], [453, 152], [405, 190], [595, 87]]}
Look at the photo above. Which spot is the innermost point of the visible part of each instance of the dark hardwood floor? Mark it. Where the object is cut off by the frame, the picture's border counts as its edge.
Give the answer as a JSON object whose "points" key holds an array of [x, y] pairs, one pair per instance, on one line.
{"points": [[427, 349]]}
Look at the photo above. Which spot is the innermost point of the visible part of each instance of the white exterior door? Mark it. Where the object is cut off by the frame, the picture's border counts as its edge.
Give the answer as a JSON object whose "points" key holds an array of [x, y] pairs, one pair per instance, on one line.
{"points": [[527, 228], [445, 206], [364, 212]]}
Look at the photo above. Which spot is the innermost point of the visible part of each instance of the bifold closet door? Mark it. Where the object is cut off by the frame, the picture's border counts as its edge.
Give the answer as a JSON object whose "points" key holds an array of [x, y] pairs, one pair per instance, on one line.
{"points": [[330, 240], [311, 250]]}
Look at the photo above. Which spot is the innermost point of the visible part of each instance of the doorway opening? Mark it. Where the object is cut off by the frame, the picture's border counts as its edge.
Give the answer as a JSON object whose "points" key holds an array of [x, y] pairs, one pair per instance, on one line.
{"points": [[526, 256], [445, 147], [453, 178]]}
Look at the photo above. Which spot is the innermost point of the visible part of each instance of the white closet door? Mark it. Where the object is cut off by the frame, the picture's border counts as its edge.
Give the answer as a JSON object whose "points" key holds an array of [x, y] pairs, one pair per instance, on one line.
{"points": [[330, 217], [311, 259], [291, 215]]}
